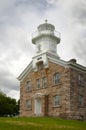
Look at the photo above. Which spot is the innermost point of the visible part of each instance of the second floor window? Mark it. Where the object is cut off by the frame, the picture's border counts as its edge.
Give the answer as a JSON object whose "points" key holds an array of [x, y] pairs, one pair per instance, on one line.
{"points": [[44, 82], [38, 83], [56, 78], [81, 100], [29, 86], [81, 80]]}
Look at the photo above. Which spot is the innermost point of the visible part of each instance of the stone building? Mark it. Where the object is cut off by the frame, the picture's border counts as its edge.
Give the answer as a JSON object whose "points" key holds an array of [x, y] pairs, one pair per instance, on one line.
{"points": [[50, 86]]}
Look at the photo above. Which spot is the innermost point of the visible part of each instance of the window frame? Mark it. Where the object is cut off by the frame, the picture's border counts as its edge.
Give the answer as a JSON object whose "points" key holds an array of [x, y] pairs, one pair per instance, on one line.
{"points": [[81, 100], [44, 82], [56, 102], [29, 104], [29, 86], [38, 83], [56, 78], [81, 80]]}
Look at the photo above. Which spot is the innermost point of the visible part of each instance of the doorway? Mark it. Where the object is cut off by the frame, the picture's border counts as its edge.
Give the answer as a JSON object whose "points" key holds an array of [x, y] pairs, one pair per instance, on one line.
{"points": [[38, 106]]}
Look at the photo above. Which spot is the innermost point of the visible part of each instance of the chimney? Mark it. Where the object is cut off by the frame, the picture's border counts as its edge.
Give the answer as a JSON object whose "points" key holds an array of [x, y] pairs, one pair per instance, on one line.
{"points": [[73, 61]]}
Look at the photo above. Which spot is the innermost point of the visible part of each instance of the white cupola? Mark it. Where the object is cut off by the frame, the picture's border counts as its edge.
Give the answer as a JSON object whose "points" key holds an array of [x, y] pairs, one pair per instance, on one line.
{"points": [[46, 40]]}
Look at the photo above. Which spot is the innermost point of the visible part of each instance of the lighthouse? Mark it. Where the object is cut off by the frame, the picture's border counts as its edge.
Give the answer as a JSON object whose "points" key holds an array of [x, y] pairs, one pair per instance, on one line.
{"points": [[46, 39], [50, 86]]}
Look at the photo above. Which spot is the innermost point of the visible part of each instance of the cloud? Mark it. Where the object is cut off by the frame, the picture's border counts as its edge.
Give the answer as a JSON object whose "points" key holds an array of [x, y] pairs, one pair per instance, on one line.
{"points": [[15, 40], [79, 11], [8, 81], [72, 16], [52, 1]]}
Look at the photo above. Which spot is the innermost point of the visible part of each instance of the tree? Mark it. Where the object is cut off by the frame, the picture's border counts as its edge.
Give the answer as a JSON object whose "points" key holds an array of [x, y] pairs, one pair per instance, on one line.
{"points": [[8, 105]]}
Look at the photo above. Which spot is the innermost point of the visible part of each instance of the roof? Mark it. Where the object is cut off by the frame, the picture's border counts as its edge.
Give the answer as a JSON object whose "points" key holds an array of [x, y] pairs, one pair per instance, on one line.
{"points": [[66, 64], [25, 71]]}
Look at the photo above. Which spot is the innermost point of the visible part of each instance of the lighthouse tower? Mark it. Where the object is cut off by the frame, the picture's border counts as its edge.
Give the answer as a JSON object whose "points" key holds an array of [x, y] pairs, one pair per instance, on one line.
{"points": [[46, 40]]}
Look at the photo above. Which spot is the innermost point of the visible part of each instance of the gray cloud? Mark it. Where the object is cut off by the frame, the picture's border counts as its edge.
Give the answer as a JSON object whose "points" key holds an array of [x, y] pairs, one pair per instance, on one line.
{"points": [[7, 80], [75, 27], [79, 23], [79, 12], [15, 40]]}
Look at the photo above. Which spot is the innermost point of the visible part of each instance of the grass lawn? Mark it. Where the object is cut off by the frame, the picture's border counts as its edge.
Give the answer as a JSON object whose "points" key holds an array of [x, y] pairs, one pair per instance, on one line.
{"points": [[40, 123]]}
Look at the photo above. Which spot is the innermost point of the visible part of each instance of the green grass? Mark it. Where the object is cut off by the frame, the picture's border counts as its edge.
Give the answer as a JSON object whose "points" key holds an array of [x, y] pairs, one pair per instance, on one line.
{"points": [[39, 123]]}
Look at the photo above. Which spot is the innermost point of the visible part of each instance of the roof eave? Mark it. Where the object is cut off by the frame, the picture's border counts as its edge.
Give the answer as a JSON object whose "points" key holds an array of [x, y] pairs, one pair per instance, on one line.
{"points": [[77, 66], [24, 73]]}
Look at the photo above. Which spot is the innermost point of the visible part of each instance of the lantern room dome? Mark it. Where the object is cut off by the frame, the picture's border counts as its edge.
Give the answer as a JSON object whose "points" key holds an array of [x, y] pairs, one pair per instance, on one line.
{"points": [[46, 26]]}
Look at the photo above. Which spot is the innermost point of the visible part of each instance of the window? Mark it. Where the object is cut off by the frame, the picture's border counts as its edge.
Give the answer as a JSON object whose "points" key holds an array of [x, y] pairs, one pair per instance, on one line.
{"points": [[29, 86], [38, 83], [44, 82], [81, 80], [56, 78], [81, 99], [56, 100], [28, 104]]}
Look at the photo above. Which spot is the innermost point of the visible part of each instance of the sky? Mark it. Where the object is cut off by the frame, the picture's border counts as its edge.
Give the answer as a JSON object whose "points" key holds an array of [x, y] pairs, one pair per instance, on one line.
{"points": [[20, 18]]}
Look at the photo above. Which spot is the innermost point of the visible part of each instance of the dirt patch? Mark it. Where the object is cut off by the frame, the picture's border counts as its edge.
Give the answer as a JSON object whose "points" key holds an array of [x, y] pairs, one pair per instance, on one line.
{"points": [[41, 125], [24, 123]]}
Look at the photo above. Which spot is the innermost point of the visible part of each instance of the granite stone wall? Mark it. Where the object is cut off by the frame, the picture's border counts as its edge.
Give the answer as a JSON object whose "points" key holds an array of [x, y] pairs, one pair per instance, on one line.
{"points": [[68, 88]]}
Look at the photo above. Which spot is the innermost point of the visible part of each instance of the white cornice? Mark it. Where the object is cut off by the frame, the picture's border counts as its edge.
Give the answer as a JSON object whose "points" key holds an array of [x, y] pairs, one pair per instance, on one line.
{"points": [[53, 58], [25, 71], [77, 67], [66, 63]]}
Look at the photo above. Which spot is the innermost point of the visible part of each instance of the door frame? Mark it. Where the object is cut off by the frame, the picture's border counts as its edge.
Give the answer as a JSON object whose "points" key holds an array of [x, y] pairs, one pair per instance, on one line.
{"points": [[38, 102]]}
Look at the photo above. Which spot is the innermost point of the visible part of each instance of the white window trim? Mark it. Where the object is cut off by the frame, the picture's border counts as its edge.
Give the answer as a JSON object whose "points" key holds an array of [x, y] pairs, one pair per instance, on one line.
{"points": [[29, 104], [58, 105], [38, 84], [29, 87], [44, 82], [54, 79]]}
